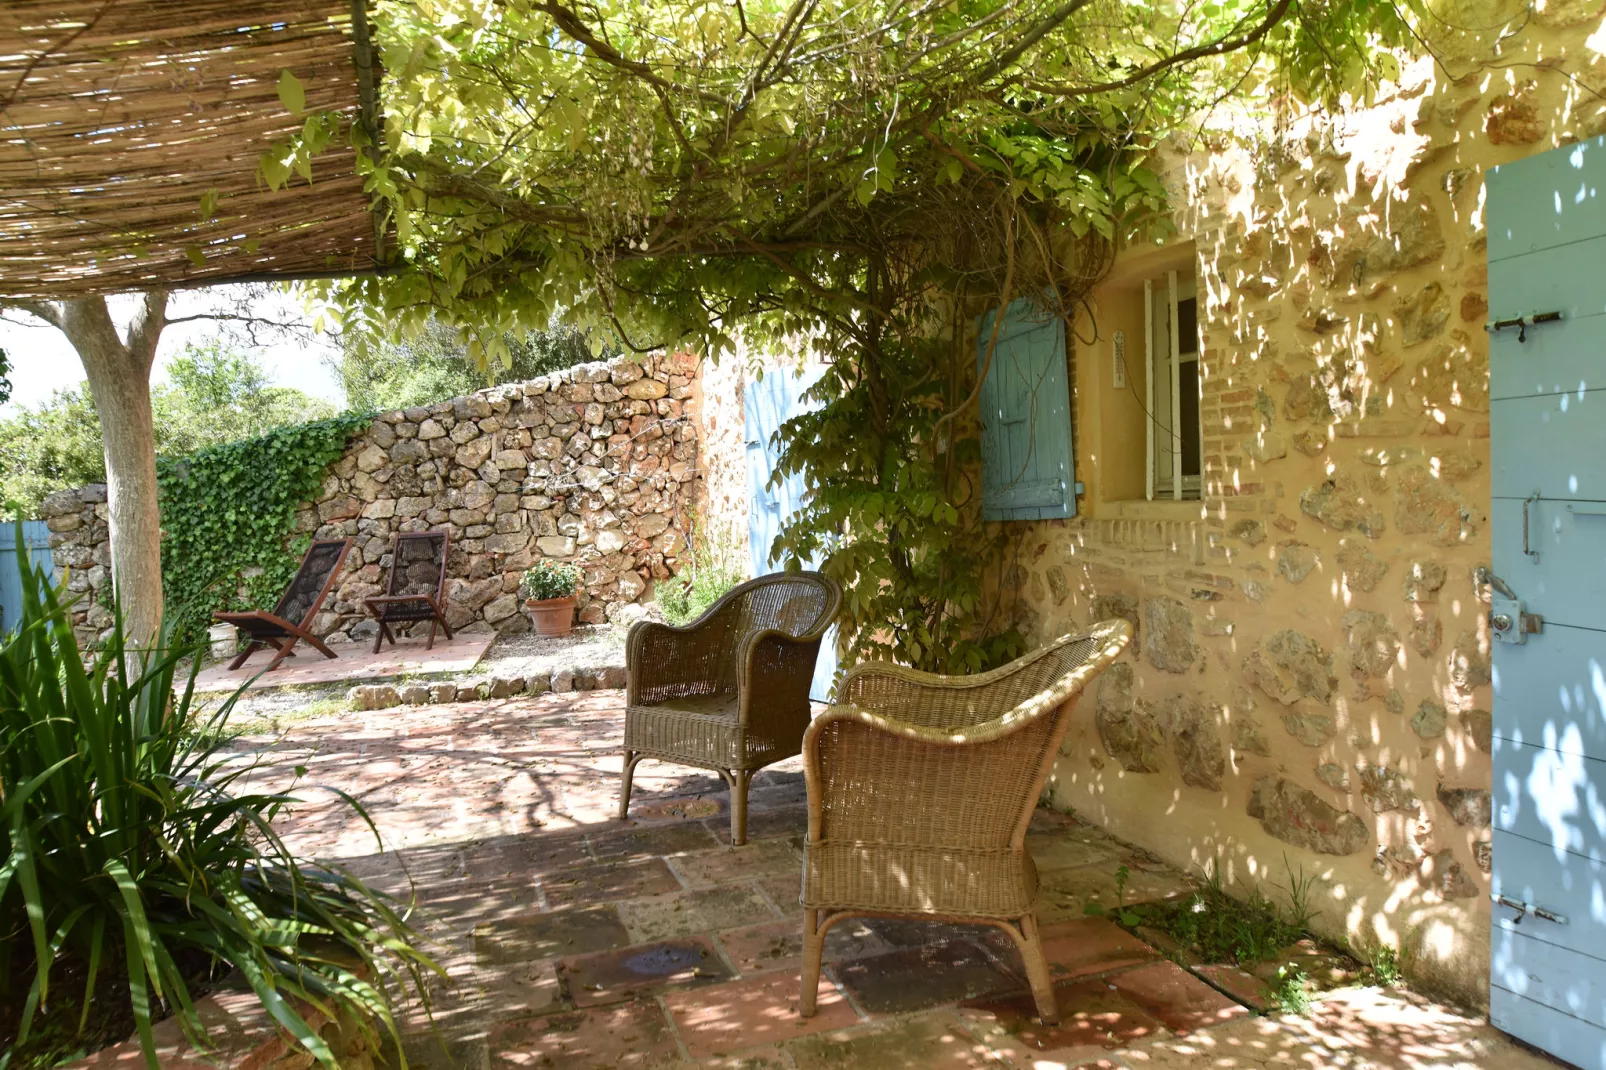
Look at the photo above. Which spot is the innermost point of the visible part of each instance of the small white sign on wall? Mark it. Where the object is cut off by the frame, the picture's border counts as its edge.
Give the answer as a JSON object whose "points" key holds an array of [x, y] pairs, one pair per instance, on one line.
{"points": [[1118, 347]]}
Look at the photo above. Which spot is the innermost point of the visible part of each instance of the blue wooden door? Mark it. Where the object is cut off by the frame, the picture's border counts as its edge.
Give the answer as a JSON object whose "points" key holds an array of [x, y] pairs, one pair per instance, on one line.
{"points": [[1025, 406], [36, 540], [1547, 377], [770, 402]]}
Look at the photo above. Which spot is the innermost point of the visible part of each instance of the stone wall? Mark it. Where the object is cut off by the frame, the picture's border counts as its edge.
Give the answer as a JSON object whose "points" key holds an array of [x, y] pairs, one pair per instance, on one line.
{"points": [[722, 477], [591, 465], [1310, 680]]}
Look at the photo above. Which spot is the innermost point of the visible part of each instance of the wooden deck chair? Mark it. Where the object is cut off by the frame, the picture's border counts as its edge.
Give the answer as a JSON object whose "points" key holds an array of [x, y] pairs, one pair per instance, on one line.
{"points": [[291, 620], [417, 587]]}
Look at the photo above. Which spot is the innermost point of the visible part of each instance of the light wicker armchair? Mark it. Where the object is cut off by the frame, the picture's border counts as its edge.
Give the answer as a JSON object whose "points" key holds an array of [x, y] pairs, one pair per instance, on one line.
{"points": [[921, 788], [730, 690]]}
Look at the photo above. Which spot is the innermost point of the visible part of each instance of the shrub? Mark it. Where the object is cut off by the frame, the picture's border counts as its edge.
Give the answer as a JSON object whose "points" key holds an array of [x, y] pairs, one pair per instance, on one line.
{"points": [[131, 867], [687, 597], [549, 579]]}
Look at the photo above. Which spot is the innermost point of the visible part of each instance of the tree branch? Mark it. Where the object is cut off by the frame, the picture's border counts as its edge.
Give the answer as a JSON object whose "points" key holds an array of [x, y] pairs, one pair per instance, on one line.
{"points": [[42, 310], [1215, 48]]}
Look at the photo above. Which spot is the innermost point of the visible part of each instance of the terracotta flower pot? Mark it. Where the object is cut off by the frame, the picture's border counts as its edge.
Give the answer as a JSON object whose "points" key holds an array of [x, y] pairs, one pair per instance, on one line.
{"points": [[552, 616]]}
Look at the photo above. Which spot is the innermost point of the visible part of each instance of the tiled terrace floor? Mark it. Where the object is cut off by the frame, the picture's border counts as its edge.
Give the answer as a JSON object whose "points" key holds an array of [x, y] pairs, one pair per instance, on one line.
{"points": [[576, 941]]}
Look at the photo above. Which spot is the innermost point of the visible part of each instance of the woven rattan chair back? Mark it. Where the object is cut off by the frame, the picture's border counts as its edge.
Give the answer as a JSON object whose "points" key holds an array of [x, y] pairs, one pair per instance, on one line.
{"points": [[921, 789], [311, 580], [730, 690]]}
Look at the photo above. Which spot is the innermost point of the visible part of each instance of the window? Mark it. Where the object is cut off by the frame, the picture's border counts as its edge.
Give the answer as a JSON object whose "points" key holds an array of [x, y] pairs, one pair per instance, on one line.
{"points": [[1171, 336]]}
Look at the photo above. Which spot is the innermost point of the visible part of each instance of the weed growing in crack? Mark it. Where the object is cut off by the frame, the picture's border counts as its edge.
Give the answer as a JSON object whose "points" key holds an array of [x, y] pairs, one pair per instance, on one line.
{"points": [[1385, 964], [1290, 993], [1216, 926]]}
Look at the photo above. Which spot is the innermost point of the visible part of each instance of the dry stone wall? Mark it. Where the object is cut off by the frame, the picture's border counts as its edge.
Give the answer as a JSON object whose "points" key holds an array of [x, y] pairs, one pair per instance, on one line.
{"points": [[592, 465], [1309, 688]]}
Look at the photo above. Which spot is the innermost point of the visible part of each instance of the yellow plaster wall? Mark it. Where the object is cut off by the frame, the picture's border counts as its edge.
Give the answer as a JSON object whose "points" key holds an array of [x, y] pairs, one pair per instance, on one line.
{"points": [[1312, 644]]}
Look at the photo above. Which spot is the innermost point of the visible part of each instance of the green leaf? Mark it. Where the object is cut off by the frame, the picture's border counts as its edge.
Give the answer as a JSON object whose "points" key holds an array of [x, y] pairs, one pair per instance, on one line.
{"points": [[292, 94]]}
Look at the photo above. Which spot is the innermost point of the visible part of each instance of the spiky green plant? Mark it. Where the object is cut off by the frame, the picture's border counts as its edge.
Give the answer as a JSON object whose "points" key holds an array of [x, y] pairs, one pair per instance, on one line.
{"points": [[127, 848]]}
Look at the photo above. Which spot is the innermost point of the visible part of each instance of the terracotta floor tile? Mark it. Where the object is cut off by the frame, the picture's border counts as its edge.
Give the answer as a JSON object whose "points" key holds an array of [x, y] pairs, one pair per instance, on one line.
{"points": [[1241, 985], [786, 892], [649, 841], [778, 945], [787, 821], [725, 865], [701, 910], [511, 856], [922, 978], [917, 932], [685, 808], [587, 885], [1069, 848], [722, 1019], [929, 1042], [518, 990], [1092, 1015], [1176, 998], [1089, 946], [1064, 894], [466, 904], [632, 1035], [631, 972], [574, 931]]}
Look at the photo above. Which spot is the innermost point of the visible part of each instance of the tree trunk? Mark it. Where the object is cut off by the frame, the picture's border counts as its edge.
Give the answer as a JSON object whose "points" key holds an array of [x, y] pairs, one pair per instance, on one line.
{"points": [[119, 374]]}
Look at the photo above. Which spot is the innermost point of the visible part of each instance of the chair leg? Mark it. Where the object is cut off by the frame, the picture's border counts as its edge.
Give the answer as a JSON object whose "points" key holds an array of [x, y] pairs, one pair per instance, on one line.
{"points": [[320, 646], [813, 951], [284, 652], [740, 779], [1042, 982], [239, 659], [447, 628], [430, 645], [631, 758]]}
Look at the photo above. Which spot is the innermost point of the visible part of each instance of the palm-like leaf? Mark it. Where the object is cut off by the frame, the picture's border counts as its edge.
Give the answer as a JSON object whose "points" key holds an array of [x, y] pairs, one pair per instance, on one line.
{"points": [[125, 843]]}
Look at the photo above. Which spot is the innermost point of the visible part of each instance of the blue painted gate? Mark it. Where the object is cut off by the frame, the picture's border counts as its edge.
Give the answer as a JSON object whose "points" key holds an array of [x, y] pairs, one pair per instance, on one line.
{"points": [[36, 540], [1547, 379], [770, 402]]}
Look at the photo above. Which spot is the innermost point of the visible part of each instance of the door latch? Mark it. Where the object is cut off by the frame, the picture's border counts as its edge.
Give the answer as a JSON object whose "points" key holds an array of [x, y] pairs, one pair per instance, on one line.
{"points": [[1524, 909], [1509, 620], [1522, 323]]}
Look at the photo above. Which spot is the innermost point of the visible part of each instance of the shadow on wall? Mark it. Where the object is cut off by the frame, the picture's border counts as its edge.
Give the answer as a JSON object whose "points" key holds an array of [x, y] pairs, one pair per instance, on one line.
{"points": [[1312, 675]]}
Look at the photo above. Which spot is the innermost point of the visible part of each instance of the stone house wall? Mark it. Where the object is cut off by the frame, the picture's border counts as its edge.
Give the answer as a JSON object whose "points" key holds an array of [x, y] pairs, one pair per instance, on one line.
{"points": [[591, 465], [1309, 688], [718, 407]]}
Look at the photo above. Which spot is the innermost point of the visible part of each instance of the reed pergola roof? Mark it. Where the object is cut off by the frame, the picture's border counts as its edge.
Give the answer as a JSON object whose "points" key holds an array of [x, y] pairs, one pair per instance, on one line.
{"points": [[117, 117]]}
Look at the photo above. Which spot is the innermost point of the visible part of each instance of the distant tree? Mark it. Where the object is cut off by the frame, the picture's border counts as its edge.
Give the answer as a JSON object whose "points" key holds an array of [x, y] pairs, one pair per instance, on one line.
{"points": [[436, 365], [5, 377], [215, 394]]}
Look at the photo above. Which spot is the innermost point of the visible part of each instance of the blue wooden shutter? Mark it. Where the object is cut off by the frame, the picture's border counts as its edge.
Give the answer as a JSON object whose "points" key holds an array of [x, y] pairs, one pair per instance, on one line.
{"points": [[1027, 469]]}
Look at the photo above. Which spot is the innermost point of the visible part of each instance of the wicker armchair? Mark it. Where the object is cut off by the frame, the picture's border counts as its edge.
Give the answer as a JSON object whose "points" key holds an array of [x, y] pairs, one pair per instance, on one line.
{"points": [[920, 790], [729, 691]]}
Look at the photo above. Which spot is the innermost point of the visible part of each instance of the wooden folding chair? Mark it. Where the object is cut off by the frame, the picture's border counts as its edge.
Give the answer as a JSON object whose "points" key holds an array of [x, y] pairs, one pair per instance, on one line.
{"points": [[416, 590], [291, 619]]}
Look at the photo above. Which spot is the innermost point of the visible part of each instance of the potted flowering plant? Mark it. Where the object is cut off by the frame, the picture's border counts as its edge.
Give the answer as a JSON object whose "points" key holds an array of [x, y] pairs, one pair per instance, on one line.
{"points": [[548, 590]]}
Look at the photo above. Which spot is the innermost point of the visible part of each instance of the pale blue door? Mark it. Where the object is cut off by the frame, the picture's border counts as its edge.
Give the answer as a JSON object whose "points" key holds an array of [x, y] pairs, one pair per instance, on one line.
{"points": [[1547, 377], [770, 402], [36, 543]]}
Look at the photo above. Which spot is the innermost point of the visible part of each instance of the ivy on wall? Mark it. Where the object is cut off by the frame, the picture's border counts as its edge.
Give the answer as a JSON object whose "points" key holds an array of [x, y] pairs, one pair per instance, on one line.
{"points": [[228, 517]]}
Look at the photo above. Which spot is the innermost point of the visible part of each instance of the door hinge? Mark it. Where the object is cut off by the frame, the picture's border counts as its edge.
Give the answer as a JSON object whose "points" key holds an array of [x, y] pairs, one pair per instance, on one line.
{"points": [[1524, 909], [1522, 323]]}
